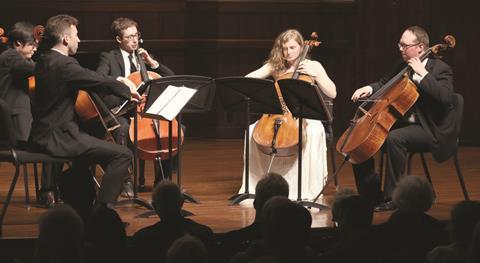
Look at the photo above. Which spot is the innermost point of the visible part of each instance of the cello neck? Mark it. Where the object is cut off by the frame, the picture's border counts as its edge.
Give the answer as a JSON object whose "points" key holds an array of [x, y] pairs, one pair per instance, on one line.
{"points": [[305, 51], [143, 68], [405, 70]]}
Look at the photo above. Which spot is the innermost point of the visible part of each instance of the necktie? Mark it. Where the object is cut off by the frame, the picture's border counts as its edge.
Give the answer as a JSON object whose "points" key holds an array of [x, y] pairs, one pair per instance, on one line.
{"points": [[133, 68]]}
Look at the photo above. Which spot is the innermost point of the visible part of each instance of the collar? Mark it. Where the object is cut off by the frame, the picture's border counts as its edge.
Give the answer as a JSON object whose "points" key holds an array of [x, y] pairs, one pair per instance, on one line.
{"points": [[125, 55], [54, 49]]}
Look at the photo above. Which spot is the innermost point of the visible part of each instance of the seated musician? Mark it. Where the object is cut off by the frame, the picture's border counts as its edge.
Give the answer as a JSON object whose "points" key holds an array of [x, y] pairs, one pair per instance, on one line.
{"points": [[121, 62], [285, 52], [55, 128], [16, 66], [428, 126]]}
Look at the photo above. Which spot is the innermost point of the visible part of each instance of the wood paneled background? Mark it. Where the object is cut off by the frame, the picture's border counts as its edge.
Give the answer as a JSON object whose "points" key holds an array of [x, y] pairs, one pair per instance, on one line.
{"points": [[220, 38]]}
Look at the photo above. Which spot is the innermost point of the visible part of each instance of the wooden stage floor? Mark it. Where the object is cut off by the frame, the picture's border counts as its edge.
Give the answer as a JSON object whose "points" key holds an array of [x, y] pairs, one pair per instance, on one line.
{"points": [[212, 172]]}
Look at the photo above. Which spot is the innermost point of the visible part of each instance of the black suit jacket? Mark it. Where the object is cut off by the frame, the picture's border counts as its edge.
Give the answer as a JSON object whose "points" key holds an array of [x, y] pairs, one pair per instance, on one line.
{"points": [[14, 71], [111, 64], [58, 79], [435, 107]]}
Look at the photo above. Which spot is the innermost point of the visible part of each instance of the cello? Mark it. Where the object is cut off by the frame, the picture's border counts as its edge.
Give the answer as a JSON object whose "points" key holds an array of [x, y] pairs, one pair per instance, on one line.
{"points": [[367, 132], [153, 136], [3, 39], [38, 32], [277, 134]]}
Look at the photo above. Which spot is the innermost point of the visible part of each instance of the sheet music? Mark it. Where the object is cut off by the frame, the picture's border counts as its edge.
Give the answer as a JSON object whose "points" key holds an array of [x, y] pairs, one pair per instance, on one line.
{"points": [[171, 101]]}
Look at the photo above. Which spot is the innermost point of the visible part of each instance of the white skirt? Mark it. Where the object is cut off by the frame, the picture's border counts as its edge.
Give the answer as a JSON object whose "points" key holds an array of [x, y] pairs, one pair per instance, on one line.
{"points": [[314, 167]]}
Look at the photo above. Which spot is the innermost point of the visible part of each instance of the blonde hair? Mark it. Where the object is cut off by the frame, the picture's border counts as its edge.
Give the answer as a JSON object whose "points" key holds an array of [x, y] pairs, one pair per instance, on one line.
{"points": [[276, 58]]}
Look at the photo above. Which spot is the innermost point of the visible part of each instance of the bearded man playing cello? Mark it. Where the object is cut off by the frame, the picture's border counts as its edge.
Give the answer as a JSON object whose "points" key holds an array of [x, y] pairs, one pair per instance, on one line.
{"points": [[429, 125]]}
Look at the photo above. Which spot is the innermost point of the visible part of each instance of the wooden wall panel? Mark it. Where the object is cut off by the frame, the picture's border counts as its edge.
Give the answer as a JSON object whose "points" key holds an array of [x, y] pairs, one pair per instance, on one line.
{"points": [[237, 37], [221, 38]]}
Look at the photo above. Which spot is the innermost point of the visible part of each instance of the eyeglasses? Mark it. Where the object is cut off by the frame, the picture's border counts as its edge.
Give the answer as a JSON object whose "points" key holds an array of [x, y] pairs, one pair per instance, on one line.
{"points": [[403, 46], [130, 37]]}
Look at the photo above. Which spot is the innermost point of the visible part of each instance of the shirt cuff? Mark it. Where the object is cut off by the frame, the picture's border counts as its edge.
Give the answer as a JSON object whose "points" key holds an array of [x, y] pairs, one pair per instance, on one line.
{"points": [[156, 65]]}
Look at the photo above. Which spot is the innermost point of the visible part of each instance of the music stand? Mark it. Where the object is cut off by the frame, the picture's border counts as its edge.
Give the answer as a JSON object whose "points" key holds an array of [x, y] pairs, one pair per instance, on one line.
{"points": [[249, 95], [304, 101], [199, 103], [135, 199]]}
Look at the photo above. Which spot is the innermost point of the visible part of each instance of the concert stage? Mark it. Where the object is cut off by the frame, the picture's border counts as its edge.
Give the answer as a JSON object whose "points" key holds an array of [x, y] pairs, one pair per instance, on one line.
{"points": [[212, 172]]}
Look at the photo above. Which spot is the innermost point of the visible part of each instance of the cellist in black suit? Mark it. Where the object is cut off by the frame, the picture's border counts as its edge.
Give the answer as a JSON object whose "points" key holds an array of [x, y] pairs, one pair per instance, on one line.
{"points": [[16, 66], [429, 125], [55, 128], [121, 62]]}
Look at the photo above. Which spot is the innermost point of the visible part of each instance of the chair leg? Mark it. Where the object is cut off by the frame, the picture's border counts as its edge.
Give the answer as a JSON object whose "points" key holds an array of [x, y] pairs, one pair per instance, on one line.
{"points": [[334, 164], [409, 163], [427, 173], [35, 176], [9, 196], [25, 183], [141, 172], [460, 176], [381, 166]]}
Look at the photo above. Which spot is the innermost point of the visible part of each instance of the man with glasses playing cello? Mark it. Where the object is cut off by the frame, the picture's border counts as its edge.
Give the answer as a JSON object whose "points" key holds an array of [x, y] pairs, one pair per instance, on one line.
{"points": [[429, 125]]}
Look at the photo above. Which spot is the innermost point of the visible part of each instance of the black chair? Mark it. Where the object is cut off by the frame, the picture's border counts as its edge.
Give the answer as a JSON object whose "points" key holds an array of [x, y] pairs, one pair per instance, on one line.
{"points": [[10, 153], [459, 110]]}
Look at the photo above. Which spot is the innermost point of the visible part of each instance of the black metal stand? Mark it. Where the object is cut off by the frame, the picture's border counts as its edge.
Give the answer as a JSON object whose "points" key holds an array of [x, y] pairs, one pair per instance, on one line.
{"points": [[200, 102], [237, 198], [335, 171], [135, 199], [186, 195], [300, 201], [303, 100], [249, 95]]}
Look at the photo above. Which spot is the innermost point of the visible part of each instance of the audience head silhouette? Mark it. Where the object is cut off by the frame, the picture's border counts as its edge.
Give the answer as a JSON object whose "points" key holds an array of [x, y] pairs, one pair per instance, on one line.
{"points": [[337, 200], [464, 216], [187, 249], [167, 199], [60, 236], [271, 185], [413, 195], [473, 254], [106, 236], [285, 223], [353, 213]]}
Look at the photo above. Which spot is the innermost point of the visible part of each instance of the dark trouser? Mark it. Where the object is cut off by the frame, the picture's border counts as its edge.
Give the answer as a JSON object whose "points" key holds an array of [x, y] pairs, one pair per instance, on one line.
{"points": [[399, 141], [50, 171], [115, 161], [121, 134]]}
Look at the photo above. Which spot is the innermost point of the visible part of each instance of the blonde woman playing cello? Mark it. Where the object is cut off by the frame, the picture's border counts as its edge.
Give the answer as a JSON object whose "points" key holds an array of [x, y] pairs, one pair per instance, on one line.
{"points": [[282, 60]]}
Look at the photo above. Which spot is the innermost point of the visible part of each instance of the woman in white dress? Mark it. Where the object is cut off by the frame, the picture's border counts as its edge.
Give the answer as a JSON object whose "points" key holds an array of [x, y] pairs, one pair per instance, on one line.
{"points": [[285, 52]]}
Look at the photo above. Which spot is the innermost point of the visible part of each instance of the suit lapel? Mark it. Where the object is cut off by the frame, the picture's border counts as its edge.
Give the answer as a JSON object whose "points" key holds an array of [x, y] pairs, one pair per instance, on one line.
{"points": [[119, 59], [429, 65]]}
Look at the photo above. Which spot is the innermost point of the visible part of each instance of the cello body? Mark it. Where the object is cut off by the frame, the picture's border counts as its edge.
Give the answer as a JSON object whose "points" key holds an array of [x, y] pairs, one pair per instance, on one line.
{"points": [[362, 140], [284, 138], [153, 135], [85, 106]]}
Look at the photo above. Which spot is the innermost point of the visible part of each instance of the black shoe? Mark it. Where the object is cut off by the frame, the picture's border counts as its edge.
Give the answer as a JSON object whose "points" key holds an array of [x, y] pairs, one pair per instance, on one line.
{"points": [[387, 206], [142, 188], [47, 199], [127, 189]]}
